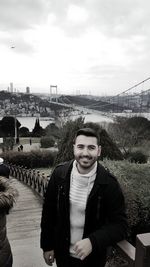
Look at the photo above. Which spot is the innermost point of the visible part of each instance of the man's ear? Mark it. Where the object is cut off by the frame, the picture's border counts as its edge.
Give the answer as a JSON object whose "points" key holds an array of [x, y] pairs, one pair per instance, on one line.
{"points": [[99, 150], [73, 147]]}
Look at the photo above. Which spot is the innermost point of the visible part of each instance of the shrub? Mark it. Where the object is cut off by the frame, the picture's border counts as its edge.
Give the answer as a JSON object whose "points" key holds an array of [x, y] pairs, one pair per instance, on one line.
{"points": [[137, 157], [33, 159], [24, 132], [47, 141], [135, 182], [52, 130]]}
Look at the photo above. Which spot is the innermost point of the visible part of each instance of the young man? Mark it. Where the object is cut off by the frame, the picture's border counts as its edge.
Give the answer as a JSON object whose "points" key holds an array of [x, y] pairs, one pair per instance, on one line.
{"points": [[83, 210]]}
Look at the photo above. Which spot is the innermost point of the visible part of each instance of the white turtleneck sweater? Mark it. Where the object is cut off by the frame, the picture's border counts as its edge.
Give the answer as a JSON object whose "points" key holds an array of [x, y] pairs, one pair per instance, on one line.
{"points": [[80, 188]]}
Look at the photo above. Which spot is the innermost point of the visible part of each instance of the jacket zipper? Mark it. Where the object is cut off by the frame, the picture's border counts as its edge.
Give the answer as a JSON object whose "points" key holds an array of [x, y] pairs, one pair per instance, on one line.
{"points": [[98, 208], [58, 197]]}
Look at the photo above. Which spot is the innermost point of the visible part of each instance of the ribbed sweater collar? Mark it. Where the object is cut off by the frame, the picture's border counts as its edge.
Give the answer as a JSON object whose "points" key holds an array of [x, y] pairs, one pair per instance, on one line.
{"points": [[88, 175]]}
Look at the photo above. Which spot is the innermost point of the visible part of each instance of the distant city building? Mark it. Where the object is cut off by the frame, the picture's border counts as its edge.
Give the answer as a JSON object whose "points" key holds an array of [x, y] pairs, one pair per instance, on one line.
{"points": [[11, 87], [27, 90], [77, 92]]}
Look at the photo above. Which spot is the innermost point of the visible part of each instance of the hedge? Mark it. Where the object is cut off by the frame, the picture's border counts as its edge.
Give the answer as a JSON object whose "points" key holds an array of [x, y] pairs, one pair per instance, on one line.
{"points": [[137, 157], [135, 182], [33, 159], [47, 141]]}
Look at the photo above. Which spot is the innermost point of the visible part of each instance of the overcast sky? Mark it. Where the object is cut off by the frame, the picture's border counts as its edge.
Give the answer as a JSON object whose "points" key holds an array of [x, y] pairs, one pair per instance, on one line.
{"points": [[98, 47]]}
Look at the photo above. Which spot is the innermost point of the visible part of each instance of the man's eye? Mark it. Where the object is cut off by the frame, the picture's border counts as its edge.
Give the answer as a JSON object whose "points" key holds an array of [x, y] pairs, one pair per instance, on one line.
{"points": [[80, 147], [91, 147]]}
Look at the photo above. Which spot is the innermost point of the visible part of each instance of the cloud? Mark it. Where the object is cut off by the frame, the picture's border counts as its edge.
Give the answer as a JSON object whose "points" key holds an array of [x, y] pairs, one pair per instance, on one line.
{"points": [[16, 41], [76, 14], [76, 41], [20, 15], [118, 18], [16, 18]]}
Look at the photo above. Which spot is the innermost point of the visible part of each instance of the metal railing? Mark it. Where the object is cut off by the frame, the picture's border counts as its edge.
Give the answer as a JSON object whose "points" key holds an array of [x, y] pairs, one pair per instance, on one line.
{"points": [[34, 179]]}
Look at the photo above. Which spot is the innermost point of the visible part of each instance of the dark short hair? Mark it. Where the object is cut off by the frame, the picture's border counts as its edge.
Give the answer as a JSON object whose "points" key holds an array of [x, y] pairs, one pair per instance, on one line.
{"points": [[88, 132]]}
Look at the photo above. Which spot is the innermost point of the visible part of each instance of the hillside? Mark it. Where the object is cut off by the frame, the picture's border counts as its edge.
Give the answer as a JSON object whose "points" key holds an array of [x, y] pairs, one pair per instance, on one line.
{"points": [[22, 104]]}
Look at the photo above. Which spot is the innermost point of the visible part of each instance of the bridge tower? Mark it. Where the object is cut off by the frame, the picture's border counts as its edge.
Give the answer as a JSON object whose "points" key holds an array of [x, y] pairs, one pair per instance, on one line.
{"points": [[53, 87]]}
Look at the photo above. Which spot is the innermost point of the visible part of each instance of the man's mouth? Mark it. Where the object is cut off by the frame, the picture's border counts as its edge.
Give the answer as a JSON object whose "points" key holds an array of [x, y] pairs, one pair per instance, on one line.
{"points": [[86, 158]]}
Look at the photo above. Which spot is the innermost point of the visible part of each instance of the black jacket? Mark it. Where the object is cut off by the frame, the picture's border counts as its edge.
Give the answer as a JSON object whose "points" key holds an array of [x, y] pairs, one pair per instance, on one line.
{"points": [[4, 170], [7, 197], [105, 219]]}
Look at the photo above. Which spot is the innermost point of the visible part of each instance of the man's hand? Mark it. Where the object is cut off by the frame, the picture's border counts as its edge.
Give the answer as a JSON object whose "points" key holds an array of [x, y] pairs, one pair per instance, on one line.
{"points": [[83, 248], [49, 257]]}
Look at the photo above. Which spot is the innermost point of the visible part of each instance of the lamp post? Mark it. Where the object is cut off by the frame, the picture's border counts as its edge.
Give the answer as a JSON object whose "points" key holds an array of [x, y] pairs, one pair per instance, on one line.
{"points": [[15, 129], [16, 132]]}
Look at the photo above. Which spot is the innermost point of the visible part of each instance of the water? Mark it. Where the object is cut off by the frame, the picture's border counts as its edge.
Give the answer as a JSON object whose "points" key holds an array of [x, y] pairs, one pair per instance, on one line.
{"points": [[130, 114], [29, 122], [94, 117], [97, 117]]}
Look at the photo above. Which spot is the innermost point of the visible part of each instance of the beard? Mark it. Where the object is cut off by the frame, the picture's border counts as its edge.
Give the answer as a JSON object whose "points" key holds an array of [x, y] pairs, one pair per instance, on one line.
{"points": [[85, 162]]}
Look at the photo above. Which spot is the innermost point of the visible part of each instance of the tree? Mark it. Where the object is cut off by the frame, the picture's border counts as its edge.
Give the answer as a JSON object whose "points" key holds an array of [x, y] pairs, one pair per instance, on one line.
{"points": [[141, 127], [129, 132], [109, 148], [24, 132], [7, 125], [66, 141], [52, 130], [65, 146], [8, 143], [38, 131]]}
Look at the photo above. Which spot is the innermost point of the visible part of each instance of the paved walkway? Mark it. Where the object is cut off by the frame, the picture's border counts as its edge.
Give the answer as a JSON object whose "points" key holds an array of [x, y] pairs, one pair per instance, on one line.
{"points": [[23, 226]]}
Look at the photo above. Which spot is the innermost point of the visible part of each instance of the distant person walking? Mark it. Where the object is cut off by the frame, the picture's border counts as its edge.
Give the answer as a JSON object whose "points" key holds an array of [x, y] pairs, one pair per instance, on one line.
{"points": [[30, 141], [4, 169], [21, 147], [7, 197]]}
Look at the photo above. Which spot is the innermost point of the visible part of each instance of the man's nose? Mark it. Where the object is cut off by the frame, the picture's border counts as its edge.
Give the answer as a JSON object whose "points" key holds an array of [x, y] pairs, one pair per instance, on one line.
{"points": [[85, 151]]}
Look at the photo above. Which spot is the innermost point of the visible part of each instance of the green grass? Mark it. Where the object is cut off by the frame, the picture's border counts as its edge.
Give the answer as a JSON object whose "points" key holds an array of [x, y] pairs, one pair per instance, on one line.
{"points": [[26, 140]]}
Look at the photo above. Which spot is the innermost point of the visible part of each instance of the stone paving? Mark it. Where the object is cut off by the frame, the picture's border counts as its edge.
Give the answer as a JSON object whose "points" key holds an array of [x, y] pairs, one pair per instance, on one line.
{"points": [[23, 227]]}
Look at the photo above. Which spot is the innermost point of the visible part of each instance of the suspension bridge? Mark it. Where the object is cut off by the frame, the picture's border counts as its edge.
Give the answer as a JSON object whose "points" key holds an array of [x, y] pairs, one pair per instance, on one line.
{"points": [[135, 99]]}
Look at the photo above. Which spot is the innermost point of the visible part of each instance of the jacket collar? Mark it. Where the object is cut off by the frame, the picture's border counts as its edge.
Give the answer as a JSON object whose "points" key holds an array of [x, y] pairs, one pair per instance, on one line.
{"points": [[101, 179], [101, 176]]}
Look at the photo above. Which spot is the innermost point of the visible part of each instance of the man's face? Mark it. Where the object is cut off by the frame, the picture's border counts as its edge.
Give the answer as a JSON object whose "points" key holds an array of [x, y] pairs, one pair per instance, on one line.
{"points": [[86, 152]]}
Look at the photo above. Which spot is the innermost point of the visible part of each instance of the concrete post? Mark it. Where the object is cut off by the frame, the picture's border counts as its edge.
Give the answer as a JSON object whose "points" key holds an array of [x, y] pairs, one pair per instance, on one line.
{"points": [[142, 256]]}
